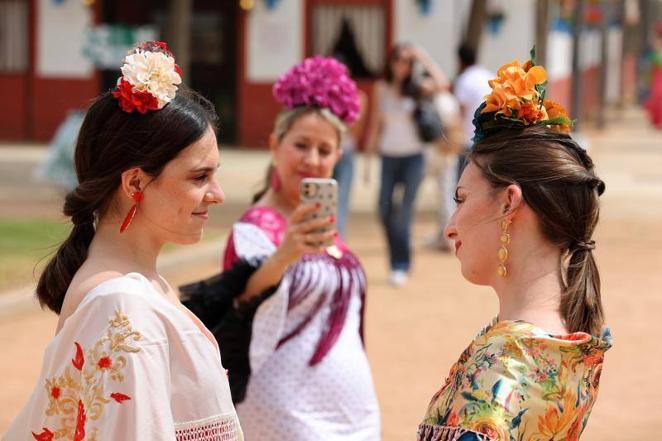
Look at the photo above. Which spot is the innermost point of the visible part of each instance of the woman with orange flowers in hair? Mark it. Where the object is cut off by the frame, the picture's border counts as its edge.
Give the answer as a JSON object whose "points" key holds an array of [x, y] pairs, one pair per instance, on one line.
{"points": [[128, 361], [527, 206]]}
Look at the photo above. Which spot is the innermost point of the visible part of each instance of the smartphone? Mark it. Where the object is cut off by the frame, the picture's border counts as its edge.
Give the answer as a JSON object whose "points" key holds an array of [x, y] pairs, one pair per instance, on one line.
{"points": [[323, 191]]}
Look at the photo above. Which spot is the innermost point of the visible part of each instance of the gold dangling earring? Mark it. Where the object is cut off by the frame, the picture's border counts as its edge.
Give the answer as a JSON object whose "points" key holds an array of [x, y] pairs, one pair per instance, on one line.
{"points": [[504, 239]]}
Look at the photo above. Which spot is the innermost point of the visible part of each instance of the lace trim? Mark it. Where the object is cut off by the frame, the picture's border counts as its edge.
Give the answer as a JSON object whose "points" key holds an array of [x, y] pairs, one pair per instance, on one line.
{"points": [[216, 428], [427, 432]]}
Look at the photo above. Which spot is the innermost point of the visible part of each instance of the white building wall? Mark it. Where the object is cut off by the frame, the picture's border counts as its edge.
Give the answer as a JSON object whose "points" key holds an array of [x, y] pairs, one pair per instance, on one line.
{"points": [[515, 38], [441, 31], [58, 23], [275, 40], [437, 32]]}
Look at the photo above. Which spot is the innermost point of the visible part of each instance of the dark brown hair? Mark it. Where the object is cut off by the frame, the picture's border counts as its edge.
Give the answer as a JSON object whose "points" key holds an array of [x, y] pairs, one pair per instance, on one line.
{"points": [[110, 142], [393, 55], [559, 183]]}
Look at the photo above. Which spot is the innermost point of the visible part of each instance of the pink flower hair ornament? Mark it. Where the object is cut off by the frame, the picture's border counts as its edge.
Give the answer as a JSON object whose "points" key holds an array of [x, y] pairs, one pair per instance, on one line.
{"points": [[149, 78], [319, 82]]}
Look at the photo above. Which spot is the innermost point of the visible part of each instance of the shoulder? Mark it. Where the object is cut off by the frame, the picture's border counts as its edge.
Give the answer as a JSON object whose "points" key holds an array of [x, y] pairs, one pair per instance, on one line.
{"points": [[379, 89], [129, 296]]}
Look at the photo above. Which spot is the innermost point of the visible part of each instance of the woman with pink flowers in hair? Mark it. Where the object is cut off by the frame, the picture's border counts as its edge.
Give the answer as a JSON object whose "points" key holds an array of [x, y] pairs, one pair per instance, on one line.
{"points": [[293, 341]]}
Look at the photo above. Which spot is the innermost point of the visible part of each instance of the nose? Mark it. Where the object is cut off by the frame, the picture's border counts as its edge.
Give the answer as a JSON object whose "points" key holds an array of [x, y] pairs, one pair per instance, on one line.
{"points": [[312, 157], [215, 195], [450, 232]]}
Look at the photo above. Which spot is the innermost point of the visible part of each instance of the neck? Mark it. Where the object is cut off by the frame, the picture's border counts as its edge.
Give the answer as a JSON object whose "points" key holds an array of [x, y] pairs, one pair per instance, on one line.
{"points": [[131, 251], [279, 201], [532, 290]]}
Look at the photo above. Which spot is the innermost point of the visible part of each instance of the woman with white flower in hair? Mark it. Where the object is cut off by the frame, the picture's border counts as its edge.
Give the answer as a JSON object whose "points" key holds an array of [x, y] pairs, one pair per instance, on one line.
{"points": [[128, 361], [293, 342]]}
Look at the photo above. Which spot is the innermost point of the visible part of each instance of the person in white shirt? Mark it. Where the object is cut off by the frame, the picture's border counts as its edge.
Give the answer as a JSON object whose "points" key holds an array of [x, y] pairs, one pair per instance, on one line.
{"points": [[470, 89]]}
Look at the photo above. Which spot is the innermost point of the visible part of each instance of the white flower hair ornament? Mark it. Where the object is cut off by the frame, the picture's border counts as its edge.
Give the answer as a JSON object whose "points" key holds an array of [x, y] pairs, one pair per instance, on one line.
{"points": [[149, 78]]}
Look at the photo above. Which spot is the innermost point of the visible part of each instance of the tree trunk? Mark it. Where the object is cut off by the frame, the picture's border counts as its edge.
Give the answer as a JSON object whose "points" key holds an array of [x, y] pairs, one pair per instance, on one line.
{"points": [[542, 30], [178, 32], [576, 69], [604, 35], [475, 24]]}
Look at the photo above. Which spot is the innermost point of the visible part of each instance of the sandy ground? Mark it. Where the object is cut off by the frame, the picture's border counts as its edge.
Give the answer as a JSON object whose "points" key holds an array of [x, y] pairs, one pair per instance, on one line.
{"points": [[415, 334]]}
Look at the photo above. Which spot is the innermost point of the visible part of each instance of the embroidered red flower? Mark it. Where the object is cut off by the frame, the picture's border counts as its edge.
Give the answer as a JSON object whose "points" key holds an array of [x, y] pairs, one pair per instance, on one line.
{"points": [[79, 435], [179, 70], [46, 435], [78, 361], [55, 392], [119, 397], [104, 363]]}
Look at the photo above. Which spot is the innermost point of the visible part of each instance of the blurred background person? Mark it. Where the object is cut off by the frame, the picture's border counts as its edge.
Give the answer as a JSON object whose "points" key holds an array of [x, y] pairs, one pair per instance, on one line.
{"points": [[392, 131], [343, 172], [346, 51], [470, 88], [442, 160], [293, 342], [654, 103]]}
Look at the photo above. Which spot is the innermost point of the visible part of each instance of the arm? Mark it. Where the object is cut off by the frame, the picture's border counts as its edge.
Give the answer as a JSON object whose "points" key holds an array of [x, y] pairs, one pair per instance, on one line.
{"points": [[359, 125], [374, 120], [437, 81]]}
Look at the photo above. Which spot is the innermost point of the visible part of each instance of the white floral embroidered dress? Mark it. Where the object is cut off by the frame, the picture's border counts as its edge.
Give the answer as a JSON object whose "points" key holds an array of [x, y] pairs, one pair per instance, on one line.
{"points": [[129, 365]]}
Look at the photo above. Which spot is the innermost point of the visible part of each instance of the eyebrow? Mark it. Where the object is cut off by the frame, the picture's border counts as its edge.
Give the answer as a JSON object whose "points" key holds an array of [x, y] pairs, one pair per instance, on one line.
{"points": [[205, 169]]}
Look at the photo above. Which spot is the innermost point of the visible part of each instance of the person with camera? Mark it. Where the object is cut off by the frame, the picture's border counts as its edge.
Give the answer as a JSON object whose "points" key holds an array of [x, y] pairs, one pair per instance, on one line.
{"points": [[392, 129], [293, 340]]}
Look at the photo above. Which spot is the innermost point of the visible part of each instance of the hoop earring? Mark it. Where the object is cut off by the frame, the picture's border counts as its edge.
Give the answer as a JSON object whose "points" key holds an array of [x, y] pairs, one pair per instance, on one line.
{"points": [[137, 197], [504, 239]]}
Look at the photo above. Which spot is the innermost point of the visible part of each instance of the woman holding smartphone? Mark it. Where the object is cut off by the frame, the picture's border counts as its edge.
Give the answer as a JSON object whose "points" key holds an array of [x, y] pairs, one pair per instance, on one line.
{"points": [[293, 341]]}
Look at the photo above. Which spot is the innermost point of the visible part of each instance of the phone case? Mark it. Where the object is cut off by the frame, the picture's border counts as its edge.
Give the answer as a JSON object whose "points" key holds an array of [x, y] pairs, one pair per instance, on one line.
{"points": [[323, 191]]}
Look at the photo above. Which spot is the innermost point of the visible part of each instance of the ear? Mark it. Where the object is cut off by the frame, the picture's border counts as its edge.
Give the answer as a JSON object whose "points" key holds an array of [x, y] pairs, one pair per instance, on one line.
{"points": [[338, 154], [512, 200], [273, 143], [133, 180]]}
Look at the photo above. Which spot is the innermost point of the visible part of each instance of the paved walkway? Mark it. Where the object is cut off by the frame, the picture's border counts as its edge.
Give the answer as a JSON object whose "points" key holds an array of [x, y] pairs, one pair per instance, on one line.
{"points": [[415, 334]]}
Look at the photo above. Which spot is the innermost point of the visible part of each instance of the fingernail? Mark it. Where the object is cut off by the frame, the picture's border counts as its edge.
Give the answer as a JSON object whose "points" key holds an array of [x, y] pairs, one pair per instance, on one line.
{"points": [[335, 234], [317, 205], [332, 219]]}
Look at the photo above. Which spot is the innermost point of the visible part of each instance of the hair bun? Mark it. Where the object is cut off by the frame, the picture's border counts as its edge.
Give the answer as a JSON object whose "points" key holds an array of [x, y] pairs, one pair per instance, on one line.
{"points": [[598, 184]]}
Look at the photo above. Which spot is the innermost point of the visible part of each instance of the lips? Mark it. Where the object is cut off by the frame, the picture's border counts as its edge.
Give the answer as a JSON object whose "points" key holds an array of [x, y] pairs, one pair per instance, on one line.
{"points": [[458, 244], [202, 214]]}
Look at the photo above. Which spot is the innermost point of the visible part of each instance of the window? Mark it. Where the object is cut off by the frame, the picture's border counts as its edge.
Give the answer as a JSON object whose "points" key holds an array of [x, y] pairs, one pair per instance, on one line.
{"points": [[13, 36], [353, 33]]}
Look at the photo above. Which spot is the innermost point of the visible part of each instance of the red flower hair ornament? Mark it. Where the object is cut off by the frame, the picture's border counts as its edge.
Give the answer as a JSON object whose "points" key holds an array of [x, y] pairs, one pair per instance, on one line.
{"points": [[149, 78]]}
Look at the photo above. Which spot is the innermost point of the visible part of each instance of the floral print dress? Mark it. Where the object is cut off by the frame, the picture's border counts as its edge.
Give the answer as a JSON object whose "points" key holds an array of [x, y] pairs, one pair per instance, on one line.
{"points": [[516, 382]]}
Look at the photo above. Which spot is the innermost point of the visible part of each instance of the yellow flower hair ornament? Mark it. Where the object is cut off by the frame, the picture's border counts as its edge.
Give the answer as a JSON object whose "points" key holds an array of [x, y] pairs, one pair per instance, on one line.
{"points": [[518, 100]]}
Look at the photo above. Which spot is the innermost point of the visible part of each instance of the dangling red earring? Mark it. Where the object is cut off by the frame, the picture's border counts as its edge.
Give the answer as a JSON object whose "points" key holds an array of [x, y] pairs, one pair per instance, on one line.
{"points": [[274, 181], [137, 197]]}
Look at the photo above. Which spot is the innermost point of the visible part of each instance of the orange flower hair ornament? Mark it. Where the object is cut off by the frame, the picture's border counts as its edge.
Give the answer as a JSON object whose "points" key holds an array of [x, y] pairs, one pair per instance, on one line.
{"points": [[518, 100]]}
